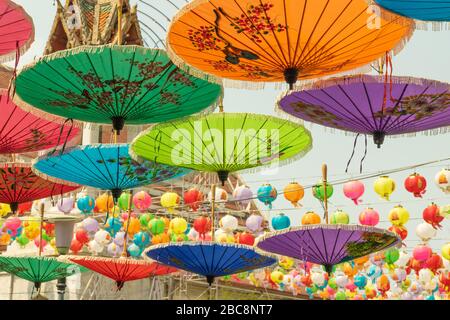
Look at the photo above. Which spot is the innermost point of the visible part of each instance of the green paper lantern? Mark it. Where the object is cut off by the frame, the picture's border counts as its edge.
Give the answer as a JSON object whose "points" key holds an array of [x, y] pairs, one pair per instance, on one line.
{"points": [[123, 201], [156, 226], [318, 191]]}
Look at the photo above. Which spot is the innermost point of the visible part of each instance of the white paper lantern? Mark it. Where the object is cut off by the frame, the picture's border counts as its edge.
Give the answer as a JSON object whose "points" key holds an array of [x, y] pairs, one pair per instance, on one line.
{"points": [[442, 180], [425, 231], [95, 247], [229, 223], [102, 237]]}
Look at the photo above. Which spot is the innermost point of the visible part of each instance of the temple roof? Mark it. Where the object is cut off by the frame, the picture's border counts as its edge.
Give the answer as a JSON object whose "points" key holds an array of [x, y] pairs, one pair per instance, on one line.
{"points": [[92, 22]]}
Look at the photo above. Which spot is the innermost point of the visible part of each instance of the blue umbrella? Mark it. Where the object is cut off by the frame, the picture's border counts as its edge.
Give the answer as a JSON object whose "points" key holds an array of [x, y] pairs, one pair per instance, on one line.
{"points": [[104, 166], [209, 259], [425, 10]]}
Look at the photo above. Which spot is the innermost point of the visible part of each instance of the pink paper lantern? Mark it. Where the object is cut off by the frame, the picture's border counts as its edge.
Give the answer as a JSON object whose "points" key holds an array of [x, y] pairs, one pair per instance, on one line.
{"points": [[142, 200], [422, 253], [369, 217], [12, 223], [354, 190]]}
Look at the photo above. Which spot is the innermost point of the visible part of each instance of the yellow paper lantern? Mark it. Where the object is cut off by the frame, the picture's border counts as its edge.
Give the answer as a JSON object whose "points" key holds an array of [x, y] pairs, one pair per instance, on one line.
{"points": [[115, 211], [446, 251], [178, 225], [104, 203], [398, 216], [294, 192], [170, 200], [4, 209], [32, 232], [384, 187], [277, 276], [286, 263]]}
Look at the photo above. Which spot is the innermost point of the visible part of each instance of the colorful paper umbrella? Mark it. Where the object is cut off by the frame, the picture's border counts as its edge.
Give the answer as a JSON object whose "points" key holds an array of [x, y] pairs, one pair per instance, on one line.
{"points": [[276, 40], [16, 31], [121, 270], [19, 184], [327, 245], [209, 259], [22, 131], [369, 105], [114, 84], [38, 269], [223, 142], [104, 166], [437, 11]]}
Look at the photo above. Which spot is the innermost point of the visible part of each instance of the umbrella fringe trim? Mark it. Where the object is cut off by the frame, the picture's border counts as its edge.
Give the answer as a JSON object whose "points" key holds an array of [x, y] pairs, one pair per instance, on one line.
{"points": [[284, 162], [347, 227], [120, 260], [259, 85], [422, 25]]}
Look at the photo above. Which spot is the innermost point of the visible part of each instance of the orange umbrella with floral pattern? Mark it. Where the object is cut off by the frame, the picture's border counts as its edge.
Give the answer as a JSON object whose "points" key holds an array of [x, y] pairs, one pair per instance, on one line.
{"points": [[275, 40]]}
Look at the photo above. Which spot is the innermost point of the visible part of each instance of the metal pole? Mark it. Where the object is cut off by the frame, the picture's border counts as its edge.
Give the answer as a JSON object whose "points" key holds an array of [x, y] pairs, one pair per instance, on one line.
{"points": [[325, 200], [61, 287]]}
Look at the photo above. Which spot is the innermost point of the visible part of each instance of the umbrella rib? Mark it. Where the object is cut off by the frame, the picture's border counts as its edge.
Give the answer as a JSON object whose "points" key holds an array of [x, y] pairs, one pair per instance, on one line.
{"points": [[356, 121], [377, 127], [240, 132], [191, 260], [203, 142], [122, 103], [389, 117], [116, 105], [335, 242], [298, 44], [228, 263], [216, 158], [218, 262], [114, 183], [336, 18], [83, 167], [309, 250], [324, 245], [288, 40], [342, 247], [315, 244]]}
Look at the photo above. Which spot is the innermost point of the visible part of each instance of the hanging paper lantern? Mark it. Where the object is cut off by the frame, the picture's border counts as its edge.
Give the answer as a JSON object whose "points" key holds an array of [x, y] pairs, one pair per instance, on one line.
{"points": [[156, 226], [144, 220], [246, 238], [133, 227], [354, 190], [141, 239], [398, 216], [12, 223], [243, 195], [82, 236], [102, 237], [228, 223], [178, 225], [434, 262], [445, 250], [90, 225], [293, 193], [76, 246], [360, 281], [223, 236], [276, 277], [170, 200], [193, 198], [254, 223], [65, 205], [267, 194], [445, 211], [4, 209], [416, 184], [221, 196], [124, 200], [310, 218], [142, 200], [280, 222], [384, 187], [318, 191], [401, 231], [113, 225], [202, 225], [24, 208], [422, 253], [369, 217], [432, 215], [442, 180], [340, 217], [391, 256], [86, 204], [383, 284], [104, 203]]}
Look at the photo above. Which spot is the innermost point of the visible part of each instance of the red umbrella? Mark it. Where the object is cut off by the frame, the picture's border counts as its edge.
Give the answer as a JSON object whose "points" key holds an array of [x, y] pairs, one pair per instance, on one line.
{"points": [[22, 131], [19, 184], [122, 269], [16, 31]]}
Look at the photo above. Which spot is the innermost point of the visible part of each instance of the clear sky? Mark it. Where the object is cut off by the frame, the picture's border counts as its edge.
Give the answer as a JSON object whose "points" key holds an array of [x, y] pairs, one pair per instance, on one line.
{"points": [[427, 55]]}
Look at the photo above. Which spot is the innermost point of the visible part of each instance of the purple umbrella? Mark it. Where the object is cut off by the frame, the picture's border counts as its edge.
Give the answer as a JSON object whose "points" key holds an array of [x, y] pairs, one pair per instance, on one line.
{"points": [[370, 105], [328, 245]]}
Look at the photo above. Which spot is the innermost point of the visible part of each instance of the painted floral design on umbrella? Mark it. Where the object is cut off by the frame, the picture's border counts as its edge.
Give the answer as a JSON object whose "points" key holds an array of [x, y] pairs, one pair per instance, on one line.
{"points": [[274, 41]]}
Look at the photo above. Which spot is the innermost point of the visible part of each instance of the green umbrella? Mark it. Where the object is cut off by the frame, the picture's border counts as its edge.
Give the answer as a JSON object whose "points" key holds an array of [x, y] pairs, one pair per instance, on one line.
{"points": [[38, 269], [223, 142], [114, 84]]}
